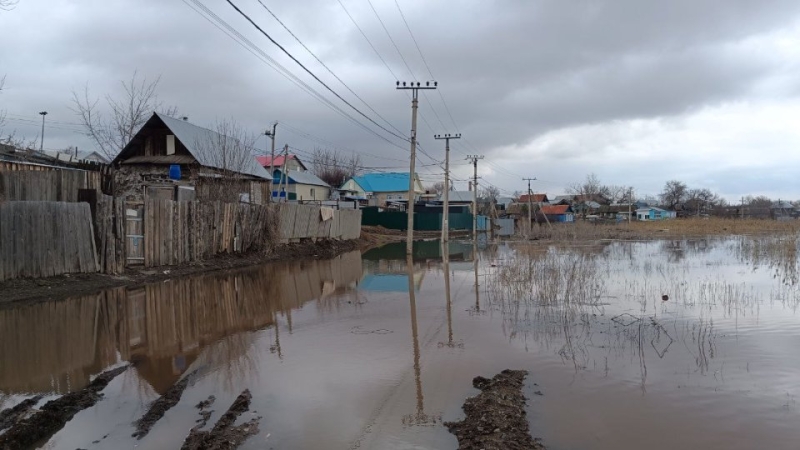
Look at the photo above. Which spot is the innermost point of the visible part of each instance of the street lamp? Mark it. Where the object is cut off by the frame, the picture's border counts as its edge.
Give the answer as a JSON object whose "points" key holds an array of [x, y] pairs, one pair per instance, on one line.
{"points": [[41, 146]]}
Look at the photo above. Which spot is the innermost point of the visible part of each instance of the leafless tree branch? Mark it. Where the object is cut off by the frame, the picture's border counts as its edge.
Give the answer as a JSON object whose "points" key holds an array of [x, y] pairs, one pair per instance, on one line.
{"points": [[8, 5], [333, 167], [112, 129]]}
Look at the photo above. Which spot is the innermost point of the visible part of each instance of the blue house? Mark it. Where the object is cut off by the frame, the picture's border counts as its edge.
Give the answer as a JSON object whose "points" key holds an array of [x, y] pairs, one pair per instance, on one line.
{"points": [[653, 213], [380, 188], [298, 185]]}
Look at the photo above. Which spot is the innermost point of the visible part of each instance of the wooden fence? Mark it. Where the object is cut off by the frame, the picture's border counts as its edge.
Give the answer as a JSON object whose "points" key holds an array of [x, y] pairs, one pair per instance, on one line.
{"points": [[181, 232], [26, 182], [306, 222], [43, 239]]}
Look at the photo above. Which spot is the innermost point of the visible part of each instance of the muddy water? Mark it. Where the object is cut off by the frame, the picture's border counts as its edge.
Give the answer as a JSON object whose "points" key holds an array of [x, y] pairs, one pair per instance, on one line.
{"points": [[370, 351]]}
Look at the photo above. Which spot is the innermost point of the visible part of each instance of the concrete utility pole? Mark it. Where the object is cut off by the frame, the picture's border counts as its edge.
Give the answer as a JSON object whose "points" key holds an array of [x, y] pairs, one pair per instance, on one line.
{"points": [[414, 87], [446, 207], [474, 159], [284, 176], [530, 207], [630, 204], [271, 135], [41, 145]]}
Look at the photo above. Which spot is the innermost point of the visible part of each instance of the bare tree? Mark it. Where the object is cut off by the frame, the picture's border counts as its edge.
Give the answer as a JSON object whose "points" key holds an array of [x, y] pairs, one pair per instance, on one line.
{"points": [[333, 167], [618, 194], [674, 194], [700, 200], [230, 150], [112, 129], [437, 187], [589, 189]]}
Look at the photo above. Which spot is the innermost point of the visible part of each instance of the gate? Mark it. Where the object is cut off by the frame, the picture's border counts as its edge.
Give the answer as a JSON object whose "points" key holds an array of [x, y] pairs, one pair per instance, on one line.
{"points": [[134, 234]]}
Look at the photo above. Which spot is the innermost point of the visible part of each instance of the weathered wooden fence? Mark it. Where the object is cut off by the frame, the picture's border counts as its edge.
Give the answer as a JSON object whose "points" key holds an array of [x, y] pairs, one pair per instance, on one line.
{"points": [[43, 239], [310, 222], [42, 183]]}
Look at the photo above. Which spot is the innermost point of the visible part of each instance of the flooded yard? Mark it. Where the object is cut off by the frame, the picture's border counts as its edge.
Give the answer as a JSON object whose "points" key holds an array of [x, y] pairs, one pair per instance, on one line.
{"points": [[663, 344]]}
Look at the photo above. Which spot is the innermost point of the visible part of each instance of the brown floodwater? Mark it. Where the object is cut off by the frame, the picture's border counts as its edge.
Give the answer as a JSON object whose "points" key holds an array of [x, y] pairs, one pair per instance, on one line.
{"points": [[369, 350]]}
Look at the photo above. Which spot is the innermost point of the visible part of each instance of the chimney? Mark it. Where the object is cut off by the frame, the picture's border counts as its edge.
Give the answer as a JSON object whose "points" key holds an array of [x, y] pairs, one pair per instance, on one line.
{"points": [[185, 118]]}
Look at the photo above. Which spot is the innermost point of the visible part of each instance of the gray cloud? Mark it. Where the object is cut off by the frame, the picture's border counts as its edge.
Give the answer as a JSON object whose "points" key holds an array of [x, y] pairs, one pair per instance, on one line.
{"points": [[511, 71]]}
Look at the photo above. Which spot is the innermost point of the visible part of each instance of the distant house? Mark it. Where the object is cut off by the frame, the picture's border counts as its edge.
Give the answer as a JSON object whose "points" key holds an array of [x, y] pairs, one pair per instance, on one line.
{"points": [[534, 198], [293, 163], [653, 213], [300, 186], [75, 155], [380, 188], [172, 159], [558, 213], [503, 203], [562, 200]]}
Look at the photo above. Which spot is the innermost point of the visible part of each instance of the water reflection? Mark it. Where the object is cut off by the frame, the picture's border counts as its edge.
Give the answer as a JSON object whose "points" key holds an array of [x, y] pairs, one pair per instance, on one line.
{"points": [[164, 328]]}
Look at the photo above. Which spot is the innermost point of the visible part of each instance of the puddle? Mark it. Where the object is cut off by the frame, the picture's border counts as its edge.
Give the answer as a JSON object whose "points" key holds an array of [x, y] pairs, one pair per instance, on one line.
{"points": [[370, 351]]}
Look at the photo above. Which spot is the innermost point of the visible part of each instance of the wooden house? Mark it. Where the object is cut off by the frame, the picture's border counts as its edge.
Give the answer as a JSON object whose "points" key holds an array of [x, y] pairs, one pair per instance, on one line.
{"points": [[172, 159]]}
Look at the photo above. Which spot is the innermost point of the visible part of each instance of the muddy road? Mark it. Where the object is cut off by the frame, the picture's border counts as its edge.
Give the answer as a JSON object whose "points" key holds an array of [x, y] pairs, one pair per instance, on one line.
{"points": [[368, 351]]}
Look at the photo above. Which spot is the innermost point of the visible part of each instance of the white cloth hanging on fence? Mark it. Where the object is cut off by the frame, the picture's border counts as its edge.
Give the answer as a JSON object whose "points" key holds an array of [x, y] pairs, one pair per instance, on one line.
{"points": [[326, 213]]}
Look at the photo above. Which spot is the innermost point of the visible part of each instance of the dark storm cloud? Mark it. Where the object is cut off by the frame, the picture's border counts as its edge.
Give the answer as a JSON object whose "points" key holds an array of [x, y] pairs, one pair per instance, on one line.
{"points": [[511, 71]]}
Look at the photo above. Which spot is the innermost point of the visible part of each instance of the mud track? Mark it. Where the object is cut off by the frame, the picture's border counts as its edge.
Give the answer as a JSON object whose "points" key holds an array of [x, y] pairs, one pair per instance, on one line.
{"points": [[56, 413], [10, 416], [496, 418], [161, 406], [224, 435]]}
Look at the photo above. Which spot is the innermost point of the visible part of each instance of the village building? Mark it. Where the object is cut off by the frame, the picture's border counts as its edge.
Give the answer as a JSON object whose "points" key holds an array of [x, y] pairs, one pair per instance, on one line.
{"points": [[173, 159], [380, 189], [300, 185], [534, 198], [653, 213], [293, 163], [558, 213]]}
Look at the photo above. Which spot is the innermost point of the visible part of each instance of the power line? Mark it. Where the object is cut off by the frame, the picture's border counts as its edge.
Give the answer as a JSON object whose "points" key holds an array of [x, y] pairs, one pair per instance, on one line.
{"points": [[312, 74], [326, 66]]}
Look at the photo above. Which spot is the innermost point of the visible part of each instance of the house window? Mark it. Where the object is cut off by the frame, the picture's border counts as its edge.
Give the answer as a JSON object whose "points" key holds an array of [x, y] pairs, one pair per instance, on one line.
{"points": [[170, 144], [313, 197]]}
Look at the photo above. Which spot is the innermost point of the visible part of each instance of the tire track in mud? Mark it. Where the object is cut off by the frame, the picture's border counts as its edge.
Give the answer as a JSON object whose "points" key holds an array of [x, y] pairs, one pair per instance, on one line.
{"points": [[10, 416], [161, 406], [224, 435], [56, 413]]}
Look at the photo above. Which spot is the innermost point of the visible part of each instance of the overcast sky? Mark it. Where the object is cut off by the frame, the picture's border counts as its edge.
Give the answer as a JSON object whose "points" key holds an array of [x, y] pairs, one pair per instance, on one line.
{"points": [[636, 91]]}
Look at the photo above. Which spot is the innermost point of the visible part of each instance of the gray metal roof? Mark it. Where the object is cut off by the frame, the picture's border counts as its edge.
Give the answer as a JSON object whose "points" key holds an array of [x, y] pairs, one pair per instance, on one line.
{"points": [[305, 177], [457, 197], [191, 136]]}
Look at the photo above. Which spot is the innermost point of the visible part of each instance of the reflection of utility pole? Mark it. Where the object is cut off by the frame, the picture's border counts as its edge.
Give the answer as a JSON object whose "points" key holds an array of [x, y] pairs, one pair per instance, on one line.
{"points": [[477, 285], [411, 179], [271, 135], [474, 159], [446, 263], [277, 346], [446, 207], [419, 418]]}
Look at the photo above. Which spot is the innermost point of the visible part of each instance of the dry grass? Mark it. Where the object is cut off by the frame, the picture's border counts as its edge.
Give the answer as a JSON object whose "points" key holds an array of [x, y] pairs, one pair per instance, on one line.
{"points": [[682, 228]]}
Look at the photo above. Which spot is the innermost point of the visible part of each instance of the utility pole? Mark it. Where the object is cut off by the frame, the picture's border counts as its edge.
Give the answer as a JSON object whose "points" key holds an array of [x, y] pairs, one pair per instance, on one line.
{"points": [[474, 159], [414, 87], [530, 207], [630, 204], [41, 145], [271, 135], [284, 176], [446, 206]]}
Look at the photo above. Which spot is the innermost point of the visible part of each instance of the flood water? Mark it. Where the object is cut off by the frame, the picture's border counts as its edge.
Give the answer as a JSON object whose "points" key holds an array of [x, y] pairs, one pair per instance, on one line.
{"points": [[369, 351]]}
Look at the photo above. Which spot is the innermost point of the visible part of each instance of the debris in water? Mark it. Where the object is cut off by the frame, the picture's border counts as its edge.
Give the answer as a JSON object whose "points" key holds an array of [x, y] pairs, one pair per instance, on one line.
{"points": [[495, 418], [665, 297]]}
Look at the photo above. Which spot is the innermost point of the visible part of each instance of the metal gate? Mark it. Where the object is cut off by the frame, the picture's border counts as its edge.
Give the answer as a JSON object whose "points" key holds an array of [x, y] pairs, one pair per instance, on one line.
{"points": [[134, 234]]}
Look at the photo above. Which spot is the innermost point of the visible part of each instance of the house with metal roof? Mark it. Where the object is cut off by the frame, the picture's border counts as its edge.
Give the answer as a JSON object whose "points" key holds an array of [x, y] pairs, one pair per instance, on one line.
{"points": [[173, 159], [299, 185], [557, 213], [653, 213], [534, 198], [292, 162], [382, 188]]}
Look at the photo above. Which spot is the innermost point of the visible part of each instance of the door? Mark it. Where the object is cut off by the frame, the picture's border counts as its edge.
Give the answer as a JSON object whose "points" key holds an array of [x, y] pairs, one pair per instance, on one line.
{"points": [[134, 234]]}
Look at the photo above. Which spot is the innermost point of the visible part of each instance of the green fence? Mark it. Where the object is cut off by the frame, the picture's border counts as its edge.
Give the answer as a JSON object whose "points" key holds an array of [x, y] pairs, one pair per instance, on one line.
{"points": [[397, 220]]}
